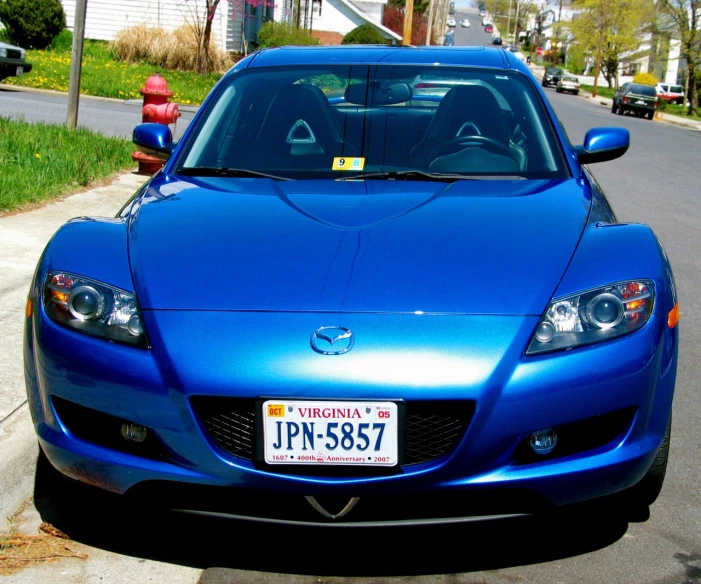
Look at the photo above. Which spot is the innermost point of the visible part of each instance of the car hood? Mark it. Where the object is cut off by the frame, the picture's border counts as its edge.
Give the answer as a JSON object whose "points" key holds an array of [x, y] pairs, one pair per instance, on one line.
{"points": [[471, 247]]}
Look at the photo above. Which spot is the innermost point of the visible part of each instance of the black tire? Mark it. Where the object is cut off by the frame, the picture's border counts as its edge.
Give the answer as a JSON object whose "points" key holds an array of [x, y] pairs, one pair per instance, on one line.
{"points": [[650, 486], [614, 107], [620, 111], [680, 101], [650, 115], [576, 92], [558, 90]]}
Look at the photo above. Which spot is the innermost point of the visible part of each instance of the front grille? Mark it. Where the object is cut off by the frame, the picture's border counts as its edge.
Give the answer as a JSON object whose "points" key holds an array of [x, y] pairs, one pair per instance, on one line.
{"points": [[14, 54], [431, 428]]}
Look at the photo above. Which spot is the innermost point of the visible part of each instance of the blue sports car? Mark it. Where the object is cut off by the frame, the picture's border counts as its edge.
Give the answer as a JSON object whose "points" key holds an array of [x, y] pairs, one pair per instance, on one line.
{"points": [[370, 285]]}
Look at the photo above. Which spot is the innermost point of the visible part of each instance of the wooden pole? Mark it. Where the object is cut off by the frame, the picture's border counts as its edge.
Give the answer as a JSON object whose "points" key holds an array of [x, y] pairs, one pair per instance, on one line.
{"points": [[76, 64], [408, 16], [430, 23], [599, 52], [508, 22]]}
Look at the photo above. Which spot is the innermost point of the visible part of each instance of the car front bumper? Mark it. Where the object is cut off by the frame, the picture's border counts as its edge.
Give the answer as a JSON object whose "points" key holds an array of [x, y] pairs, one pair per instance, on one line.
{"points": [[9, 67], [631, 377]]}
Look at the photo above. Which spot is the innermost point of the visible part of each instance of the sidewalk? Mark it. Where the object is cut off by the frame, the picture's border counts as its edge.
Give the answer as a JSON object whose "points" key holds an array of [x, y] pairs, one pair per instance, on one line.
{"points": [[23, 237], [680, 121]]}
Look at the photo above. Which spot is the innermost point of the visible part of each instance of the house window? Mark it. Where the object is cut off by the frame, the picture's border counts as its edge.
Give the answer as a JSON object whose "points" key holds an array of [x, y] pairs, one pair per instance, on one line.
{"points": [[316, 7]]}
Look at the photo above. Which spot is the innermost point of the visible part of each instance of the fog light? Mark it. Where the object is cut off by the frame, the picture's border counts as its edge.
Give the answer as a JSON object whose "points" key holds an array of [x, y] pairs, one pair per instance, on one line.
{"points": [[134, 432], [543, 441]]}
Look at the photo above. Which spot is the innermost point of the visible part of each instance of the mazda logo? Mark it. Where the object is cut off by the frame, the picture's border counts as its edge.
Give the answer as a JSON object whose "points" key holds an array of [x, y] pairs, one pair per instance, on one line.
{"points": [[324, 338]]}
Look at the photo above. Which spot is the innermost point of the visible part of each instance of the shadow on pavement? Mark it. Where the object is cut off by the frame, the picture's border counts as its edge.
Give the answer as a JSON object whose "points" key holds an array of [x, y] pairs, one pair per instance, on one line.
{"points": [[104, 520]]}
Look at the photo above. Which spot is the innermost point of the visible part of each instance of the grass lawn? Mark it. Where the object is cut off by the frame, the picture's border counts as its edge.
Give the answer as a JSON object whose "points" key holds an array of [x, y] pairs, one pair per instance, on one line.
{"points": [[103, 75], [600, 91], [40, 161]]}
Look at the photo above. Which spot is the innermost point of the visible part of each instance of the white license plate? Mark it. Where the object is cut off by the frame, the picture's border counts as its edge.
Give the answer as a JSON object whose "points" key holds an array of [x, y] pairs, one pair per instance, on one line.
{"points": [[330, 432], [20, 71], [642, 101]]}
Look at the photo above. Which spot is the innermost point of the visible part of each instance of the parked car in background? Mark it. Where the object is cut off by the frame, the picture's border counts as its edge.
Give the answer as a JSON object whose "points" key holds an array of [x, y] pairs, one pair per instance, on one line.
{"points": [[671, 93], [518, 54], [489, 28], [496, 40], [451, 22], [568, 83], [486, 20], [465, 23], [639, 99], [12, 61], [449, 39], [552, 76]]}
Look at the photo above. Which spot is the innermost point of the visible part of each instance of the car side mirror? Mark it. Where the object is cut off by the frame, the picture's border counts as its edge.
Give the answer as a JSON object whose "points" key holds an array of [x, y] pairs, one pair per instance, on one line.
{"points": [[603, 144], [154, 139]]}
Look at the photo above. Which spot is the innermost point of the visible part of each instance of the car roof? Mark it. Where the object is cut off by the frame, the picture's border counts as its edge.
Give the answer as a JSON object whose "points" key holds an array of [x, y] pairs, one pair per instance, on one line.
{"points": [[356, 54]]}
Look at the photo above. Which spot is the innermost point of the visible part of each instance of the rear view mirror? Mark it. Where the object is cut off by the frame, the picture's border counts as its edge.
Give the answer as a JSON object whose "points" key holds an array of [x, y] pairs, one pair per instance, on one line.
{"points": [[603, 144], [378, 93]]}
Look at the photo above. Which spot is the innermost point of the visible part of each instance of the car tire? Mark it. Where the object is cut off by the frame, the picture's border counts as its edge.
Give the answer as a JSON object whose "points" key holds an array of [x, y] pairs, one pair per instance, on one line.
{"points": [[558, 90], [614, 108], [576, 92], [650, 115], [648, 489], [620, 110]]}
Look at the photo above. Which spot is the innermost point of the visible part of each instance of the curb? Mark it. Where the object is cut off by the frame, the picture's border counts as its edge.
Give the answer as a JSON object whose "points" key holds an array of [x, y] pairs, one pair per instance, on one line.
{"points": [[136, 102], [20, 449]]}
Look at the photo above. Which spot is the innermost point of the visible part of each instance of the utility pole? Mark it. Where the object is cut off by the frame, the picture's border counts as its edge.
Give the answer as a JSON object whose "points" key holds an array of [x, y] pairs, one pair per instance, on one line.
{"points": [[600, 51], [508, 22], [76, 64], [518, 4], [430, 22], [408, 16]]}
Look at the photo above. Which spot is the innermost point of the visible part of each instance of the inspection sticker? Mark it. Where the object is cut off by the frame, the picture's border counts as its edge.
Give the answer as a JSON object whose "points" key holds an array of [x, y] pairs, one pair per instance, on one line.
{"points": [[348, 163]]}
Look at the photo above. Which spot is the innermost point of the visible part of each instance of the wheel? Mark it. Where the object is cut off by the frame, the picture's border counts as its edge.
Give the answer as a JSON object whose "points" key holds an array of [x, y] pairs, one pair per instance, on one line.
{"points": [[620, 111], [558, 90], [650, 115], [680, 101], [650, 486], [614, 107], [576, 92]]}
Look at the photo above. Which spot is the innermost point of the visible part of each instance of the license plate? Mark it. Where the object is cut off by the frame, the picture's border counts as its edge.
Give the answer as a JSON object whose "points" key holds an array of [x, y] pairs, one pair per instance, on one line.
{"points": [[20, 71], [330, 433], [642, 101]]}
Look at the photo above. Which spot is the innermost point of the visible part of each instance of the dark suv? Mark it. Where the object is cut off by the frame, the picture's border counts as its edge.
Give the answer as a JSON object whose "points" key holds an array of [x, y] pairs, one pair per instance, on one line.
{"points": [[552, 76], [634, 97]]}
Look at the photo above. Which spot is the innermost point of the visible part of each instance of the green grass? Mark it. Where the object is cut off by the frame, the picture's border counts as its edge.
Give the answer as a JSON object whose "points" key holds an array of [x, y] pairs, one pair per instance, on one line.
{"points": [[105, 76], [39, 161], [600, 91]]}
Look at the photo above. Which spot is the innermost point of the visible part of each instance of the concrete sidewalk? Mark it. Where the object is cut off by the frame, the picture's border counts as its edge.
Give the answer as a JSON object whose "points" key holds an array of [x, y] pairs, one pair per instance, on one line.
{"points": [[23, 237], [680, 121]]}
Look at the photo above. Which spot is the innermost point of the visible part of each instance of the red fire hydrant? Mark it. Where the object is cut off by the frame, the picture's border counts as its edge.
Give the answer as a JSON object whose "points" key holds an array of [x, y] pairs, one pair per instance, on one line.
{"points": [[157, 110]]}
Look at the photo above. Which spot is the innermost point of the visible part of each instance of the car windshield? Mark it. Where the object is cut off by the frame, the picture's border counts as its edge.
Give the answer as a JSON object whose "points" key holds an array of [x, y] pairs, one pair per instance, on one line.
{"points": [[342, 121], [554, 71], [643, 90]]}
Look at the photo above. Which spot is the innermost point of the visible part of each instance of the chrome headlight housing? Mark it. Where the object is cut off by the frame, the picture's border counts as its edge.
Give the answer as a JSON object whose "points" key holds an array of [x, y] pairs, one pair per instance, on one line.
{"points": [[93, 308], [593, 316]]}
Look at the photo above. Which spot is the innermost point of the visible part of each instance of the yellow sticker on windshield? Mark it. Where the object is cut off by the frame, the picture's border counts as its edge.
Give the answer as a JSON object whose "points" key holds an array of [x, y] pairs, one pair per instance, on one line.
{"points": [[348, 164]]}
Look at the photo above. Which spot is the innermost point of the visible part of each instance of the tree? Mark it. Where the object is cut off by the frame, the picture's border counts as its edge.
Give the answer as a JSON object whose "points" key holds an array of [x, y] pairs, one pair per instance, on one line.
{"points": [[609, 29], [365, 34], [681, 19], [32, 24]]}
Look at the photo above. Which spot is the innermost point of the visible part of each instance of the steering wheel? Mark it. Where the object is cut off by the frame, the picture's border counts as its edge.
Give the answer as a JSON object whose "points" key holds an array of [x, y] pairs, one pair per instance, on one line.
{"points": [[462, 142]]}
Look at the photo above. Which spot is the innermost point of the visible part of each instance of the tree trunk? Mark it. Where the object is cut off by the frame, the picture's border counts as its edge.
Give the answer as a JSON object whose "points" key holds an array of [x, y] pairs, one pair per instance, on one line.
{"points": [[693, 90], [203, 58]]}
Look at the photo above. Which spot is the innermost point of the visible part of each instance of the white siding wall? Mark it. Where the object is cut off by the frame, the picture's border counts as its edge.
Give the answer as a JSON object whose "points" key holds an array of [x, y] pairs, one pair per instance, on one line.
{"points": [[105, 18], [336, 17]]}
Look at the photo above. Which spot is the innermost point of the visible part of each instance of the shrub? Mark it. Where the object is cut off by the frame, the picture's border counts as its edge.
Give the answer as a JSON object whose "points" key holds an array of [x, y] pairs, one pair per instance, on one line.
{"points": [[63, 42], [170, 50], [365, 34], [645, 79], [32, 24], [279, 34]]}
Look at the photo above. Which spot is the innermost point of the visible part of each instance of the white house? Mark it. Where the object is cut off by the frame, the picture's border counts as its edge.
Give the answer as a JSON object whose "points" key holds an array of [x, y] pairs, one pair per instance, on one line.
{"points": [[236, 22]]}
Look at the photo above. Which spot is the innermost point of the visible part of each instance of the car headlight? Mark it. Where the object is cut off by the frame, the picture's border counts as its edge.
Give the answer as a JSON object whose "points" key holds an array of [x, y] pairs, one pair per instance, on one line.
{"points": [[3, 53], [93, 308], [22, 54], [593, 316]]}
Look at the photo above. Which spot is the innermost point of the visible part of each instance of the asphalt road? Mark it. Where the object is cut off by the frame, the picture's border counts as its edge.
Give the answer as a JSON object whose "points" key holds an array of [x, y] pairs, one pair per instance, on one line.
{"points": [[656, 182], [109, 117]]}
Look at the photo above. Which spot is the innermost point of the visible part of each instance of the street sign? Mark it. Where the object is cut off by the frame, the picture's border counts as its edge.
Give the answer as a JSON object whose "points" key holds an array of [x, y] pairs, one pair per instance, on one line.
{"points": [[539, 51]]}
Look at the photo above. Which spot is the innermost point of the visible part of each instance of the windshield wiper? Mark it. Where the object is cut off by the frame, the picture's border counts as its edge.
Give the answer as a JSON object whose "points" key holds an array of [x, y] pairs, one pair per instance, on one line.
{"points": [[407, 175], [224, 171]]}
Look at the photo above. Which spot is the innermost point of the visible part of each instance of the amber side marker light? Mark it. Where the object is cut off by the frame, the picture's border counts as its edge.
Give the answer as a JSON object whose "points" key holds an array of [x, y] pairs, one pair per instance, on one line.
{"points": [[673, 316], [28, 309]]}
